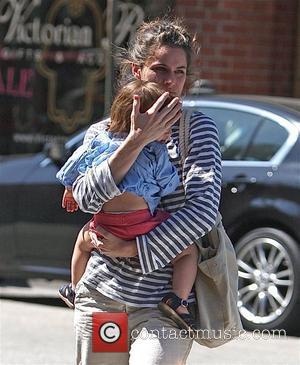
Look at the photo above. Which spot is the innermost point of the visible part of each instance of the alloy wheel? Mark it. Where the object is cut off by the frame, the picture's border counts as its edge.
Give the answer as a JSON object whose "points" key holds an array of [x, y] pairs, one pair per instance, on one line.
{"points": [[266, 280]]}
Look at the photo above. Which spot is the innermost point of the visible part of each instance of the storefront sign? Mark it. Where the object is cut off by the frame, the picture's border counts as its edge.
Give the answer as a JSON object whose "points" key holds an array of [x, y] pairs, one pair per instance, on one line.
{"points": [[52, 55], [20, 30]]}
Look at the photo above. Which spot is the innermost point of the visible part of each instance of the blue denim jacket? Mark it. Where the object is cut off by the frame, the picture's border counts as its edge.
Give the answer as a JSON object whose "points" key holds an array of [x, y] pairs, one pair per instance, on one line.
{"points": [[152, 175]]}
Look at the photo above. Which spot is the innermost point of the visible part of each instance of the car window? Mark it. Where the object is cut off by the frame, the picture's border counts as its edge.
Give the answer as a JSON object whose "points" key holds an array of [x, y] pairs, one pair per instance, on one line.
{"points": [[76, 140], [267, 141], [236, 129]]}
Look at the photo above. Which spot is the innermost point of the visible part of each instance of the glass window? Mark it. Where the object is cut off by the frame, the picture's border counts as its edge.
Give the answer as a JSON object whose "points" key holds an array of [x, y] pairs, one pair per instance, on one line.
{"points": [[267, 141], [236, 129], [53, 57]]}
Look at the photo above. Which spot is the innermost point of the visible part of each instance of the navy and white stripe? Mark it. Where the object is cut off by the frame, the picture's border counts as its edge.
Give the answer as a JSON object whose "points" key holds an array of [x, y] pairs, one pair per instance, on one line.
{"points": [[144, 280]]}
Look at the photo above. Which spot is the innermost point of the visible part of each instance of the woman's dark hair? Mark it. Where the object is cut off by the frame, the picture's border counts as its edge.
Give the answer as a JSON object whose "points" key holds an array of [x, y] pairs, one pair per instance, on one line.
{"points": [[151, 36], [121, 107]]}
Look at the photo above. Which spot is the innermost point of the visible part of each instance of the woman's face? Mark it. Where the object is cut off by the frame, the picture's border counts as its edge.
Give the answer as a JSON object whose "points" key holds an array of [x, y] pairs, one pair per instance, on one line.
{"points": [[167, 67]]}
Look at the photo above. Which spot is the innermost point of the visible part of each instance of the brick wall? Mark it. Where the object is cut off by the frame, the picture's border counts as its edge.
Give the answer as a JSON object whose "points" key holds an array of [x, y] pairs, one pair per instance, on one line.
{"points": [[247, 46]]}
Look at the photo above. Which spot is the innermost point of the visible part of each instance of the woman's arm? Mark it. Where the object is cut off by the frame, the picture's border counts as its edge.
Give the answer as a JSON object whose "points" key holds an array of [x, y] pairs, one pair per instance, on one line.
{"points": [[99, 184], [203, 187], [198, 216]]}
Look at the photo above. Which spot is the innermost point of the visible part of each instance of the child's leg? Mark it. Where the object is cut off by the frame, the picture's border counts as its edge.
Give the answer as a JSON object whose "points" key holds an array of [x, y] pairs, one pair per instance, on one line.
{"points": [[81, 254], [184, 273]]}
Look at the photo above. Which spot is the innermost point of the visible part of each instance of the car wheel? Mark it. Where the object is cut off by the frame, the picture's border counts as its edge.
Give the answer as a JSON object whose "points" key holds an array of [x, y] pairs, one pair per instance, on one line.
{"points": [[269, 279]]}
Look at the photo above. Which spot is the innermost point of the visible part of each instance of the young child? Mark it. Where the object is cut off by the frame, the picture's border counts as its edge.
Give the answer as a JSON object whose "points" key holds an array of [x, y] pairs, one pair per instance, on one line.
{"points": [[134, 212]]}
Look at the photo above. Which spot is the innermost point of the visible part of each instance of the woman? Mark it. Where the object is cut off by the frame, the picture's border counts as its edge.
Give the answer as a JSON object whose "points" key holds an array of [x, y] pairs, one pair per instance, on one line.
{"points": [[151, 177], [133, 276]]}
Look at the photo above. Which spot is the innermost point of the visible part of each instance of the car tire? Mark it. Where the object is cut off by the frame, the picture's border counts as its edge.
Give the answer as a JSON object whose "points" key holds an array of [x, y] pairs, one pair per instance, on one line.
{"points": [[269, 280]]}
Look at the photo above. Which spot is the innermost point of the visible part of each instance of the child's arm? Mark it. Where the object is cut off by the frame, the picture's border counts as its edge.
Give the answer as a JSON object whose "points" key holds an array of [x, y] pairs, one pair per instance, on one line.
{"points": [[68, 202]]}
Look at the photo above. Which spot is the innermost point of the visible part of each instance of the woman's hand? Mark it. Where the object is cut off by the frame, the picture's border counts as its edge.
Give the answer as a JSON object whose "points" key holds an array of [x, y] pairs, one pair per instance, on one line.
{"points": [[111, 245], [146, 127], [156, 121]]}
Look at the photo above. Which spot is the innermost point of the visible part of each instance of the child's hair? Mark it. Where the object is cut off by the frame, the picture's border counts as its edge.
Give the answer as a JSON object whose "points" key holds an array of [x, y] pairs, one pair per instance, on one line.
{"points": [[120, 115]]}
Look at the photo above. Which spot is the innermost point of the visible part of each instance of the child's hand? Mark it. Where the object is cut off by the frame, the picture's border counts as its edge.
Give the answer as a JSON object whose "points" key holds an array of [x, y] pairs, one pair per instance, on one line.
{"points": [[68, 202]]}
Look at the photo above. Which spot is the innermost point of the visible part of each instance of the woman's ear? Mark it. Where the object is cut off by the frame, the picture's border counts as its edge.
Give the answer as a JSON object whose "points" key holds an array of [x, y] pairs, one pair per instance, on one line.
{"points": [[136, 71]]}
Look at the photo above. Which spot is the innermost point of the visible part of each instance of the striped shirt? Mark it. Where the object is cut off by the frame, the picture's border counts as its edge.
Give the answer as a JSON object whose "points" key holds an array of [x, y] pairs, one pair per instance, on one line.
{"points": [[142, 281]]}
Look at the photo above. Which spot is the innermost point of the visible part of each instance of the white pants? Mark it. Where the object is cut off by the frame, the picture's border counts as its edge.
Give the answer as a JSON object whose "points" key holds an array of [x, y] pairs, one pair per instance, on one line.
{"points": [[165, 346]]}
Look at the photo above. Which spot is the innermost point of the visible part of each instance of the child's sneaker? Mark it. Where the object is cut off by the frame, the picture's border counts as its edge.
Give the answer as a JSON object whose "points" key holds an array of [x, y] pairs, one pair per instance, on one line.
{"points": [[67, 294], [168, 306]]}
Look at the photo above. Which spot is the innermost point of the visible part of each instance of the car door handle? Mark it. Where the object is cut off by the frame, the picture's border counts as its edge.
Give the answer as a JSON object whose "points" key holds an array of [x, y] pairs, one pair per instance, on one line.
{"points": [[239, 183], [243, 179]]}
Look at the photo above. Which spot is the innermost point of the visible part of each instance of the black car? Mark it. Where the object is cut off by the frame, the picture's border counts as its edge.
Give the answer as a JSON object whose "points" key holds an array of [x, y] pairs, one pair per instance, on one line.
{"points": [[260, 205]]}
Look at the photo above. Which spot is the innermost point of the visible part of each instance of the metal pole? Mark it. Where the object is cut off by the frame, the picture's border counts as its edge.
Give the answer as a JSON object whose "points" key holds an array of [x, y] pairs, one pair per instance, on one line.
{"points": [[109, 61], [297, 63]]}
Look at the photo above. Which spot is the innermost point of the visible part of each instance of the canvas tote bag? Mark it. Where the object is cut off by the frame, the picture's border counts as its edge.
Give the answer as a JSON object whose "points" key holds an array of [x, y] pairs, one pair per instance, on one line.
{"points": [[216, 284]]}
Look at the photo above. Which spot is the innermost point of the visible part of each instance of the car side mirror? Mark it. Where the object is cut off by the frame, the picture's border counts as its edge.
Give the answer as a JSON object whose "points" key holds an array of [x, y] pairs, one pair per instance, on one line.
{"points": [[57, 152]]}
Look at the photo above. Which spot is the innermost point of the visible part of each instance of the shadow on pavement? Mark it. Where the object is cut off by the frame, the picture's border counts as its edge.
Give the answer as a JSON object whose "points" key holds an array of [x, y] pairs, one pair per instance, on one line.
{"points": [[55, 302], [21, 294], [20, 283]]}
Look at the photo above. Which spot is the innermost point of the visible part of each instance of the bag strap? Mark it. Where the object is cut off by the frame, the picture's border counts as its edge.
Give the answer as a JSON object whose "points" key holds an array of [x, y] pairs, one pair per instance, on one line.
{"points": [[184, 132]]}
